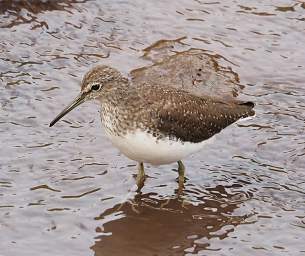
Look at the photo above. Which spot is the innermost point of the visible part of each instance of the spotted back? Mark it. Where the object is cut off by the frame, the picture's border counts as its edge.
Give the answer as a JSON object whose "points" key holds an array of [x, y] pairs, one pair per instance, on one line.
{"points": [[194, 119]]}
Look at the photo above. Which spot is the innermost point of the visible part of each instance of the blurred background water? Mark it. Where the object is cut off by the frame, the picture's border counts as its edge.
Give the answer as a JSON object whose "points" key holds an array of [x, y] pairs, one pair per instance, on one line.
{"points": [[66, 191]]}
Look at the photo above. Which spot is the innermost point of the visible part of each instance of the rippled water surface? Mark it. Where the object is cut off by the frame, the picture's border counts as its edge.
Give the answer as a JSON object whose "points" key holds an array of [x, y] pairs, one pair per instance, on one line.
{"points": [[66, 191]]}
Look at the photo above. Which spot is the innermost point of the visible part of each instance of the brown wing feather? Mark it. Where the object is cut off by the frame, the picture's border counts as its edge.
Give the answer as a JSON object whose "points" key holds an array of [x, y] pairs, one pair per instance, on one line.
{"points": [[195, 119]]}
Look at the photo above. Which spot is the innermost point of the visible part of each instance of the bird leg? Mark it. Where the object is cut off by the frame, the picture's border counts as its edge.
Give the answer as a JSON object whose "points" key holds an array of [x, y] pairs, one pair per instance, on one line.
{"points": [[140, 176], [181, 171]]}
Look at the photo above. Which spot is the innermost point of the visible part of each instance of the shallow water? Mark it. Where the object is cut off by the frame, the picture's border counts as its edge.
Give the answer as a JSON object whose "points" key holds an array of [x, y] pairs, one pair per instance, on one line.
{"points": [[66, 191]]}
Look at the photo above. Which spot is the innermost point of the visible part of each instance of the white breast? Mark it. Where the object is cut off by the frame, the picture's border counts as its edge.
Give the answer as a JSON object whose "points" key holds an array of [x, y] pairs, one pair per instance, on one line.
{"points": [[143, 147]]}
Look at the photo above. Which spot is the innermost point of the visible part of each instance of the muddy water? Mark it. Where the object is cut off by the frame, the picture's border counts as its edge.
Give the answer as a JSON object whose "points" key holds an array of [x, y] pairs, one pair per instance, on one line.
{"points": [[66, 191]]}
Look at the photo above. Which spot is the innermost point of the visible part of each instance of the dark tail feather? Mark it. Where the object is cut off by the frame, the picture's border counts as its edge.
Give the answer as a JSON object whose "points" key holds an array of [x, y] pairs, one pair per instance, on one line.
{"points": [[250, 104]]}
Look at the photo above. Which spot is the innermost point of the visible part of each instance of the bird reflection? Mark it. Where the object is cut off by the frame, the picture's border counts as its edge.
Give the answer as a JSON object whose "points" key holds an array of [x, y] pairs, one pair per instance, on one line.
{"points": [[151, 225]]}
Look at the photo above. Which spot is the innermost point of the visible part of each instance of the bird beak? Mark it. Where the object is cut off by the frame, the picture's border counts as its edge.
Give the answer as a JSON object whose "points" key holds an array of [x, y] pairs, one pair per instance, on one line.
{"points": [[77, 101]]}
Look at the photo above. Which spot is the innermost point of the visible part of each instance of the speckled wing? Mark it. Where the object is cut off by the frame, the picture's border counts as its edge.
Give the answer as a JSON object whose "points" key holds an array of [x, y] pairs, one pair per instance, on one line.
{"points": [[197, 119]]}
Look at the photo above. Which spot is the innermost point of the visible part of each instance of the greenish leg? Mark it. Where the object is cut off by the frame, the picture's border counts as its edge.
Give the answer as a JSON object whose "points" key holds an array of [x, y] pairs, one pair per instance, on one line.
{"points": [[181, 171], [140, 176]]}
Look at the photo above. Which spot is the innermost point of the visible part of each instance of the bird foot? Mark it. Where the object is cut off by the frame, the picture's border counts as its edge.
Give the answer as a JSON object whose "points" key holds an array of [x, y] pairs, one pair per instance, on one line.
{"points": [[140, 179]]}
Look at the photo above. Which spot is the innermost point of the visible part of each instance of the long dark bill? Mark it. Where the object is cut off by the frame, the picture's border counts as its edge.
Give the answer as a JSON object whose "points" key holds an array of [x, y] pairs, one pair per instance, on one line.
{"points": [[77, 101]]}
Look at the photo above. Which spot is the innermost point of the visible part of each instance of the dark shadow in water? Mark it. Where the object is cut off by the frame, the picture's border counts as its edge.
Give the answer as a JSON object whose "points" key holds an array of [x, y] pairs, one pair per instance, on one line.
{"points": [[16, 17], [148, 225], [36, 6]]}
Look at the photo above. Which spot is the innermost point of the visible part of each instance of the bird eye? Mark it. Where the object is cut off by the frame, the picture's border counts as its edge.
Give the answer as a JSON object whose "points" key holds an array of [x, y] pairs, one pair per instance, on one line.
{"points": [[95, 87]]}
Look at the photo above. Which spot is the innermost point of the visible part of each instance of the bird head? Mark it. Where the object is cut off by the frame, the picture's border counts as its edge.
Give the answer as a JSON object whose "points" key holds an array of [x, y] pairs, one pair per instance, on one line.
{"points": [[96, 83]]}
